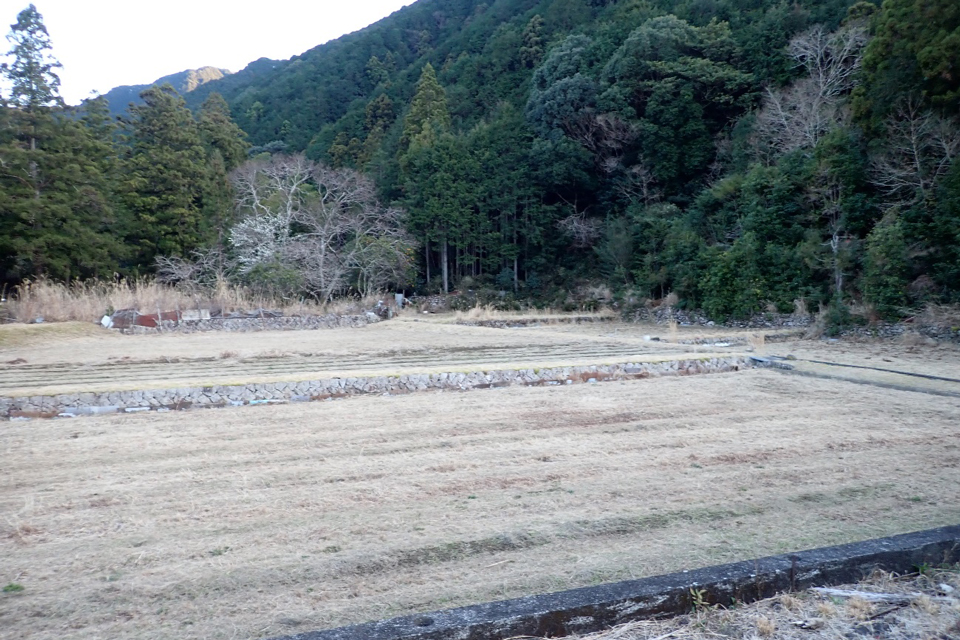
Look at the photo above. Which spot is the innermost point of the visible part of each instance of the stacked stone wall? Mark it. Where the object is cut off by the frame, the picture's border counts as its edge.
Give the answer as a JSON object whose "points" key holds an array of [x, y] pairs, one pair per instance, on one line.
{"points": [[75, 404], [266, 323]]}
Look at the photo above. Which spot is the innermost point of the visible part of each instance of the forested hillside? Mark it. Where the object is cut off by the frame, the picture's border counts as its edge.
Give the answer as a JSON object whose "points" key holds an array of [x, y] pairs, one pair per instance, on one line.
{"points": [[740, 154]]}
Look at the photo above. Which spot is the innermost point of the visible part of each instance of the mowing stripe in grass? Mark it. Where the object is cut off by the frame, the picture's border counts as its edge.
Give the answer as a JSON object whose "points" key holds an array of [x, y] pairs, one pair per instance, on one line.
{"points": [[590, 609]]}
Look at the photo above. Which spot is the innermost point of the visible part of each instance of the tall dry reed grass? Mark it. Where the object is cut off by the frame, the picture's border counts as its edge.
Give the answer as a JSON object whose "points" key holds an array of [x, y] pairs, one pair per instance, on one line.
{"points": [[940, 315], [89, 301]]}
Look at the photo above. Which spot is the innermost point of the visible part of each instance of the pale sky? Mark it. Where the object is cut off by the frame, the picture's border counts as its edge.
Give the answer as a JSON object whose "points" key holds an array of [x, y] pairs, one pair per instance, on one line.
{"points": [[106, 43]]}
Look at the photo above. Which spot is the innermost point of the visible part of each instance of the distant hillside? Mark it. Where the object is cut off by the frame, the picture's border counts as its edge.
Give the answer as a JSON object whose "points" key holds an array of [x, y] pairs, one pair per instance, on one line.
{"points": [[185, 81], [295, 99], [475, 46]]}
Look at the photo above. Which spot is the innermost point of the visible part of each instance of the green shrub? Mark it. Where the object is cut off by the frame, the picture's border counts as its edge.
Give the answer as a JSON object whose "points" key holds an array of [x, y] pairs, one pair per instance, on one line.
{"points": [[885, 269]]}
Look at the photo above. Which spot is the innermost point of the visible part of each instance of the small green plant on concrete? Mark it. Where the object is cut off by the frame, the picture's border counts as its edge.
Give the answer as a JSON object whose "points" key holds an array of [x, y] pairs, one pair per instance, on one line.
{"points": [[13, 587], [699, 599]]}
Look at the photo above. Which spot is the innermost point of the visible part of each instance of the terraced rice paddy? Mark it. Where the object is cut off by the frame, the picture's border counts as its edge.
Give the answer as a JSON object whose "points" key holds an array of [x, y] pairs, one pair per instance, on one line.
{"points": [[255, 522]]}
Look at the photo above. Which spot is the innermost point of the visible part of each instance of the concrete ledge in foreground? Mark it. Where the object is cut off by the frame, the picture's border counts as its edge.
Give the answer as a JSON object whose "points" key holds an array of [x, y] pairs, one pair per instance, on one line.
{"points": [[594, 608]]}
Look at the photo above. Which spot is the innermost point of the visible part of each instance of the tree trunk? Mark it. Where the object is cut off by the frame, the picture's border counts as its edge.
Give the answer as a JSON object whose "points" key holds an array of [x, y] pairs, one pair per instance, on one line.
{"points": [[33, 169], [443, 259], [837, 272], [426, 257]]}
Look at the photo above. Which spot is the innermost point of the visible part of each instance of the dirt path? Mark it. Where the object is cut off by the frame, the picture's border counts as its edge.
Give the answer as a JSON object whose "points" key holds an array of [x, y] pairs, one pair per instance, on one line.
{"points": [[264, 521]]}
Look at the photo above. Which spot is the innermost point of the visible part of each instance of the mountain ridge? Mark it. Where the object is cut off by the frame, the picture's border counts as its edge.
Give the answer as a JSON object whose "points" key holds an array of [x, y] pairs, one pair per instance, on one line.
{"points": [[119, 98]]}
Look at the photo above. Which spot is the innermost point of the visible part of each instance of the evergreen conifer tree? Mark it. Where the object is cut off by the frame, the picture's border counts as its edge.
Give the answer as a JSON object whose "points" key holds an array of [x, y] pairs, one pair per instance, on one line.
{"points": [[219, 132], [226, 148], [531, 53], [55, 216], [34, 82], [428, 113], [166, 176], [426, 124]]}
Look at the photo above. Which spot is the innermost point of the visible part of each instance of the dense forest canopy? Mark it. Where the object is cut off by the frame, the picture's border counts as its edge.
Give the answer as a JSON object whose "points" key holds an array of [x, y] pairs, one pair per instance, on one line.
{"points": [[743, 155]]}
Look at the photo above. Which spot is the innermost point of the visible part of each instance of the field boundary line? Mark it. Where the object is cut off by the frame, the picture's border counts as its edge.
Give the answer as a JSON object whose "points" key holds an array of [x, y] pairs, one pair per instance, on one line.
{"points": [[869, 383], [860, 366]]}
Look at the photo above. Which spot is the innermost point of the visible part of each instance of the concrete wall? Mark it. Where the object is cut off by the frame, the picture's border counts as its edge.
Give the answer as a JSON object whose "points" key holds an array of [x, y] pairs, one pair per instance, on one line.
{"points": [[66, 405]]}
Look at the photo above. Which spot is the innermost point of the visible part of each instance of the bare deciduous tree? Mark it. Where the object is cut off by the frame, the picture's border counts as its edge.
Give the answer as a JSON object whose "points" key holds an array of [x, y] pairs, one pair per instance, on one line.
{"points": [[919, 149], [798, 116], [638, 183], [204, 270], [831, 59], [271, 194], [584, 231], [826, 194], [324, 223], [604, 135]]}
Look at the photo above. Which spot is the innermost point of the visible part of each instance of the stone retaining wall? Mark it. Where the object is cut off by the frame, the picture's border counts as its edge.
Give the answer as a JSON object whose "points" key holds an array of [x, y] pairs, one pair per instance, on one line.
{"points": [[684, 317], [283, 323], [804, 323], [70, 405], [517, 323]]}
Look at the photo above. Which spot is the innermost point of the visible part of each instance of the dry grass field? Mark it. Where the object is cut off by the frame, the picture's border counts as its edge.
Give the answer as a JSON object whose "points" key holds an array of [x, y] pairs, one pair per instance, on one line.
{"points": [[256, 522], [68, 357]]}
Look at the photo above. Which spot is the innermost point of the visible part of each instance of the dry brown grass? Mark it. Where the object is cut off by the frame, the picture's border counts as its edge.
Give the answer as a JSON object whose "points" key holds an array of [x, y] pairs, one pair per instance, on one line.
{"points": [[859, 608], [409, 336], [915, 339], [21, 339], [789, 602], [757, 341], [89, 301], [672, 330], [409, 343], [940, 315], [265, 521], [104, 363], [815, 616], [765, 626]]}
